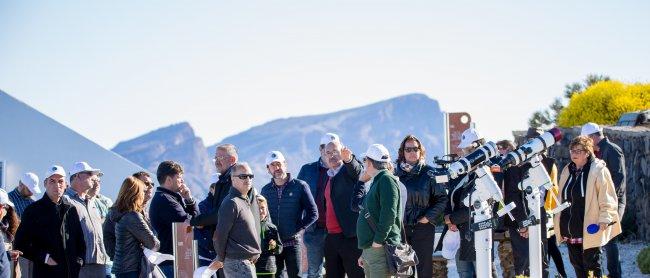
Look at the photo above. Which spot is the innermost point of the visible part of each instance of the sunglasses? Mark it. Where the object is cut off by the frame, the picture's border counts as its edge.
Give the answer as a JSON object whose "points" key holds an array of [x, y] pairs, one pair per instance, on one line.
{"points": [[150, 184], [245, 176], [411, 149]]}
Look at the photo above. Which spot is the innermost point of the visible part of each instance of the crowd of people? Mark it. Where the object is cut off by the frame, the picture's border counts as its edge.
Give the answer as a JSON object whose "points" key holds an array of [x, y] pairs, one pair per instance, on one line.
{"points": [[342, 209]]}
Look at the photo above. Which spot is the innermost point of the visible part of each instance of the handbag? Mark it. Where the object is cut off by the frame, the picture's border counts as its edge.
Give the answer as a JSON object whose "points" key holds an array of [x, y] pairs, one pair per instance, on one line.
{"points": [[400, 258]]}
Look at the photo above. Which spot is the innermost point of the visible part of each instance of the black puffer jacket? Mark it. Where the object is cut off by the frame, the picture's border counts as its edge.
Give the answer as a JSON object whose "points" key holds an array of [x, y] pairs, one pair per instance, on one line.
{"points": [[425, 197], [132, 232]]}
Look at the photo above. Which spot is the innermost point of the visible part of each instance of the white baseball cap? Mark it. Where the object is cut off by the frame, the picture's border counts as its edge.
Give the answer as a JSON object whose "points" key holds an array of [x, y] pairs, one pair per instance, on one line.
{"points": [[590, 128], [469, 136], [377, 152], [273, 157], [329, 137], [30, 180], [4, 198], [83, 166], [55, 170]]}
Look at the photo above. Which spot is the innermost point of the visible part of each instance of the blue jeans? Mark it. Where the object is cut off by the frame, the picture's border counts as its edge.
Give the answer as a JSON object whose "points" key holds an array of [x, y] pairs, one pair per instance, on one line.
{"points": [[168, 270], [238, 268], [613, 259], [132, 274], [466, 269], [290, 260], [315, 243]]}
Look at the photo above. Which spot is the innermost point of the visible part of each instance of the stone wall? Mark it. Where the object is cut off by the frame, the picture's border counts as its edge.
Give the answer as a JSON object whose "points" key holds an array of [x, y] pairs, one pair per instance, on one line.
{"points": [[635, 142]]}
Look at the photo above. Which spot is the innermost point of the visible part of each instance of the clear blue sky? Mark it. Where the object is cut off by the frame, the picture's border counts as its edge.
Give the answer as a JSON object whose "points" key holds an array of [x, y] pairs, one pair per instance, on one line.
{"points": [[115, 70]]}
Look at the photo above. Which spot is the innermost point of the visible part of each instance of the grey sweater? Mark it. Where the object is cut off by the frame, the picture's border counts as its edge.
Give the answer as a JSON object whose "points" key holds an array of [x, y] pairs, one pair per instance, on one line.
{"points": [[237, 235]]}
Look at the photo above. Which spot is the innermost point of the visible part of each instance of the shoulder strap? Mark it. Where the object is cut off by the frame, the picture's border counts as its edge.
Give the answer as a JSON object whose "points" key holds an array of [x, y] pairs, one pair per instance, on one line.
{"points": [[371, 222]]}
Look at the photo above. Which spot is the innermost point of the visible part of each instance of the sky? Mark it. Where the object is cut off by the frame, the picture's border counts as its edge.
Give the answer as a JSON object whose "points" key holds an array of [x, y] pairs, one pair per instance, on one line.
{"points": [[114, 70]]}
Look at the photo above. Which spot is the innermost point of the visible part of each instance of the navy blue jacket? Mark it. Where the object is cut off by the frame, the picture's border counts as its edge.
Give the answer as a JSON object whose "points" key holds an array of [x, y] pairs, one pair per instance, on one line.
{"points": [[168, 207], [203, 235], [310, 173], [294, 210]]}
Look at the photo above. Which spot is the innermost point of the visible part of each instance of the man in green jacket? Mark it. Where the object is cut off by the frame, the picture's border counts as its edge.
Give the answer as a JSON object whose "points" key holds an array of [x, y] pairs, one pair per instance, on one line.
{"points": [[382, 205]]}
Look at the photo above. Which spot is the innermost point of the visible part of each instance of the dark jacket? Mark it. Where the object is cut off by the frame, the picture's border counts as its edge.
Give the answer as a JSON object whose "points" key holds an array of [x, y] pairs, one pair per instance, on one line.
{"points": [[132, 232], [382, 202], [342, 191], [294, 210], [266, 265], [54, 229], [512, 179], [237, 235], [314, 174], [221, 190], [425, 197], [614, 159], [203, 235], [459, 215], [168, 207]]}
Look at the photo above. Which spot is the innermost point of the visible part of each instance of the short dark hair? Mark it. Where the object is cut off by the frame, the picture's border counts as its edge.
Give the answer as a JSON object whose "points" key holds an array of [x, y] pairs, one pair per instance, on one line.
{"points": [[378, 164], [141, 175], [166, 169]]}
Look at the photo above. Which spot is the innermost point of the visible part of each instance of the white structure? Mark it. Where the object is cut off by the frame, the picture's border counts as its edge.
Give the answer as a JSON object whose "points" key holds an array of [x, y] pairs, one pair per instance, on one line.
{"points": [[32, 141]]}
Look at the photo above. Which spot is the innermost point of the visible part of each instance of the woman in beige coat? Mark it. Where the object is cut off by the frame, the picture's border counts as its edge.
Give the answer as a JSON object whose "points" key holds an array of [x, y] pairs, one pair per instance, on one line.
{"points": [[592, 219]]}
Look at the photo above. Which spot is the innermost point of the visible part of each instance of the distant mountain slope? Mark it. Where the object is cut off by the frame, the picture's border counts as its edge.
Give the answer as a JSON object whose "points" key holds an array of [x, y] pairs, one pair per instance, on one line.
{"points": [[385, 122], [175, 142]]}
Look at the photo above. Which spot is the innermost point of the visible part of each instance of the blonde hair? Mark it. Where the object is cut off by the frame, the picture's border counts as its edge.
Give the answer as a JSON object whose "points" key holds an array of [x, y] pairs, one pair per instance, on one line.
{"points": [[585, 142], [131, 195]]}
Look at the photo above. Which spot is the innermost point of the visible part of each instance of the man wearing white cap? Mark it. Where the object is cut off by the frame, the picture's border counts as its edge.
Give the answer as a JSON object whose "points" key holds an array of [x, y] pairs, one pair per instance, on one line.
{"points": [[82, 179], [315, 175], [292, 210], [50, 232], [22, 195], [613, 156], [380, 222]]}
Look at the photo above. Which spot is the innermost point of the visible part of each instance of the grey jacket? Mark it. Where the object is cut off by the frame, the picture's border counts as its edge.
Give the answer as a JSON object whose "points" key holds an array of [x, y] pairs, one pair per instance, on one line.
{"points": [[132, 232], [237, 235], [91, 225]]}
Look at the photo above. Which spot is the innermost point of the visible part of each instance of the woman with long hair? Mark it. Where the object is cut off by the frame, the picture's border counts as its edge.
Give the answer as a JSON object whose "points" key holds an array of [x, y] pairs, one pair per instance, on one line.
{"points": [[132, 231], [425, 201]]}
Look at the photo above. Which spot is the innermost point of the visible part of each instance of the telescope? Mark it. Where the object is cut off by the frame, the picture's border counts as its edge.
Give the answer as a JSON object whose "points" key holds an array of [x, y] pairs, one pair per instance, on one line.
{"points": [[486, 191], [531, 148], [536, 177]]}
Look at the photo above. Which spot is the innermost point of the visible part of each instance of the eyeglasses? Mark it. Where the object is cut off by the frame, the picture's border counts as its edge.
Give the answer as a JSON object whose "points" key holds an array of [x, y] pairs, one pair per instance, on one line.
{"points": [[577, 151], [151, 184], [411, 149], [245, 176]]}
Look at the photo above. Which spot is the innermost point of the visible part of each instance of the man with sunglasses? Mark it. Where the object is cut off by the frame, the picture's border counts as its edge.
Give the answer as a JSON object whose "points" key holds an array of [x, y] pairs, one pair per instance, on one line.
{"points": [[292, 210], [237, 236], [82, 179]]}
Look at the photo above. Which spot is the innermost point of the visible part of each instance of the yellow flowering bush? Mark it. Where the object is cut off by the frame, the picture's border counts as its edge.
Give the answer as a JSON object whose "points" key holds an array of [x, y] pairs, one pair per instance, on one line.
{"points": [[604, 102]]}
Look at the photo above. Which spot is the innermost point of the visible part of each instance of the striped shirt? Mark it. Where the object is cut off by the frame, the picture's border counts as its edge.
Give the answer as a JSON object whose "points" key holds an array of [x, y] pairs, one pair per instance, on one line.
{"points": [[19, 201]]}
